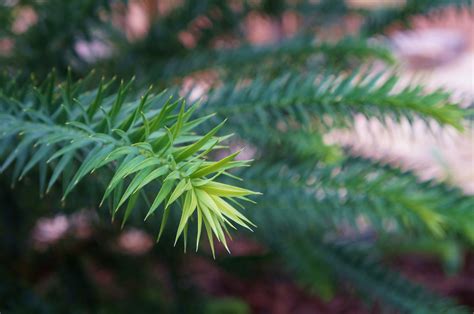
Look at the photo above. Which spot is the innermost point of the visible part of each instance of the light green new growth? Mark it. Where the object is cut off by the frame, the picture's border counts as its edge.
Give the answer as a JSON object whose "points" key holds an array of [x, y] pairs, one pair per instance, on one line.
{"points": [[69, 132]]}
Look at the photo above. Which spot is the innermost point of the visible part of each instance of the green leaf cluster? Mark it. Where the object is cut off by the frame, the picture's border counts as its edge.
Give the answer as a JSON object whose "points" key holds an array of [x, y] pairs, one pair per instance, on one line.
{"points": [[68, 132]]}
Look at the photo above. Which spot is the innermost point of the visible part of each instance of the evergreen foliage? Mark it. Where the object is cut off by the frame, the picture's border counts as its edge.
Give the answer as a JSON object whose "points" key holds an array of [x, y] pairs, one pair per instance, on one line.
{"points": [[54, 126], [160, 157]]}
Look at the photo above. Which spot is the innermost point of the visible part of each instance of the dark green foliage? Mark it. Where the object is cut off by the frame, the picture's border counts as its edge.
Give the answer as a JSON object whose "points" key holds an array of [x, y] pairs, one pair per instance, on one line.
{"points": [[392, 201], [377, 21], [50, 41], [298, 52], [366, 273], [312, 215], [306, 97], [148, 153]]}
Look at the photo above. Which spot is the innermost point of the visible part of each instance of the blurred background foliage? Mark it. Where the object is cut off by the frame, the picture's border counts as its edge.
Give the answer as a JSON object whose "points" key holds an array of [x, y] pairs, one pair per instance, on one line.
{"points": [[350, 221]]}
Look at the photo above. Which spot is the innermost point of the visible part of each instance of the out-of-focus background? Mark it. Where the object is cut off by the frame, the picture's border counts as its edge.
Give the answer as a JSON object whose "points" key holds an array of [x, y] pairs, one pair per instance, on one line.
{"points": [[435, 47]]}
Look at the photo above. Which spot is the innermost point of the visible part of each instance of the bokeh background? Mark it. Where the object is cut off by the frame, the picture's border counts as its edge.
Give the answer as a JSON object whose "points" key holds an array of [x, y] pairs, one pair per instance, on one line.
{"points": [[61, 259]]}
